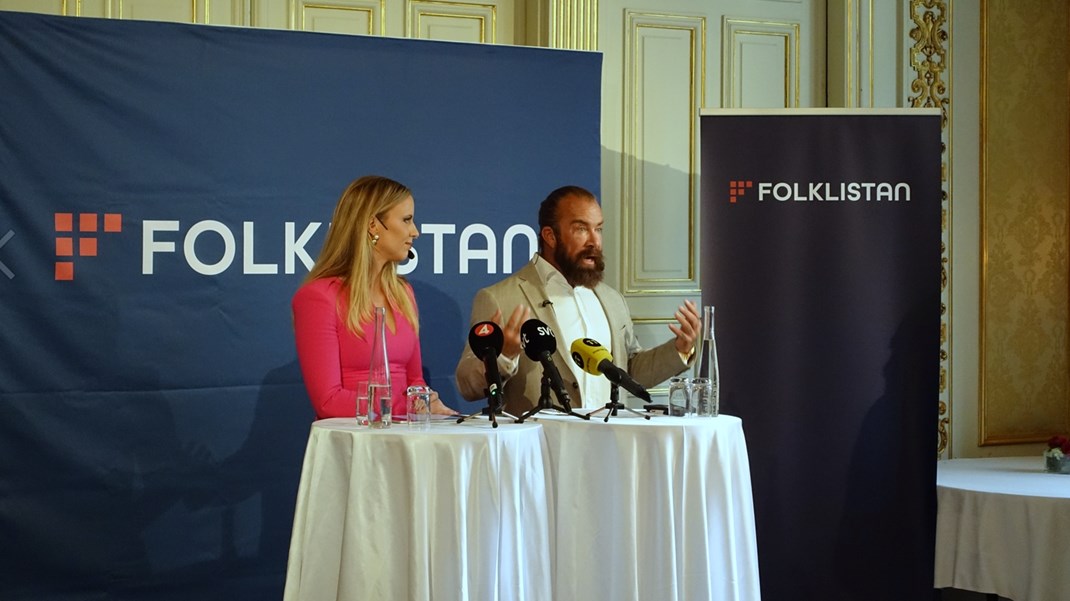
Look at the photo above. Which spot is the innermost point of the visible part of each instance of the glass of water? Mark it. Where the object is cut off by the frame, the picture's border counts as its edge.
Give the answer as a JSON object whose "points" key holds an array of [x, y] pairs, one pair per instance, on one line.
{"points": [[362, 403], [702, 397], [679, 402], [418, 402]]}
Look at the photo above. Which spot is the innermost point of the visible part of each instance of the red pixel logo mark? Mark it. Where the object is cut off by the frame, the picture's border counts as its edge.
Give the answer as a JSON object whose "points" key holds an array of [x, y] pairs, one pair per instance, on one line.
{"points": [[736, 189], [86, 237]]}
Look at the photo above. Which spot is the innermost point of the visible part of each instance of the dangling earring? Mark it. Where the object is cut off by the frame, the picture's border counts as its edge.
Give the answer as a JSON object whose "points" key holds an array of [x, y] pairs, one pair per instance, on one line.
{"points": [[375, 239]]}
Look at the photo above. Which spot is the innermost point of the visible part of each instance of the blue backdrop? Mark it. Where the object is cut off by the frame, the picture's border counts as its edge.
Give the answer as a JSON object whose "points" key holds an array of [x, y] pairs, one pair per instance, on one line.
{"points": [[821, 254], [162, 190]]}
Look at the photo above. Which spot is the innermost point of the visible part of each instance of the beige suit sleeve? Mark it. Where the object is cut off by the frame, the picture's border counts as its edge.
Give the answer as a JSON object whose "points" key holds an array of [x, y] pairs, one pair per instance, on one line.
{"points": [[648, 367], [471, 380], [653, 366]]}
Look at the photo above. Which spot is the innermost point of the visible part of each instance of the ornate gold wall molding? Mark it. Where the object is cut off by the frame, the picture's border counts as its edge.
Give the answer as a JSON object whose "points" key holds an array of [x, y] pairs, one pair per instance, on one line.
{"points": [[928, 56], [930, 62]]}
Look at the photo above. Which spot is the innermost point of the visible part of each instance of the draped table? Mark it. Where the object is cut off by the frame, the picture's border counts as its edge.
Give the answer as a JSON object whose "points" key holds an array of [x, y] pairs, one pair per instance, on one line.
{"points": [[458, 512], [1001, 527], [652, 509]]}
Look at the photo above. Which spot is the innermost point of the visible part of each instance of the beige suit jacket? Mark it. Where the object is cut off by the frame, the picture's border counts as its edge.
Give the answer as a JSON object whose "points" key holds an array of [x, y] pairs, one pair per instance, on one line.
{"points": [[521, 390]]}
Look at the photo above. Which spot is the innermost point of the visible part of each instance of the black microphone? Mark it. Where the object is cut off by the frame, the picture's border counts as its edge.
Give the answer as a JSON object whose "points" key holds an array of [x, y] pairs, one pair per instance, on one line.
{"points": [[410, 253], [486, 340], [540, 344], [596, 359]]}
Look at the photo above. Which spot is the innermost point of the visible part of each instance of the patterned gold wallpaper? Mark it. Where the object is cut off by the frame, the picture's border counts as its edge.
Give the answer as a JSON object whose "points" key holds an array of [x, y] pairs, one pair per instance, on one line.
{"points": [[1025, 201]]}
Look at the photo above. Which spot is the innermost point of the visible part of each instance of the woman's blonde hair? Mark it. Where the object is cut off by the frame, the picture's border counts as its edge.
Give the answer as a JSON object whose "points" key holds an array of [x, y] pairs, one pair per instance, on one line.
{"points": [[347, 251]]}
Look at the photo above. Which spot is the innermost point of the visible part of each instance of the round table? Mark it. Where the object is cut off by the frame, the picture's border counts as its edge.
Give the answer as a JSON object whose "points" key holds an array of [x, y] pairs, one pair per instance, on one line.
{"points": [[461, 511], [1001, 527], [652, 509]]}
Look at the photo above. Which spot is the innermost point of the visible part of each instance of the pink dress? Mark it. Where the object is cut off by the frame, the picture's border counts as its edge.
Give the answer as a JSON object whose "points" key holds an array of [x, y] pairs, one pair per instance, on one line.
{"points": [[333, 360]]}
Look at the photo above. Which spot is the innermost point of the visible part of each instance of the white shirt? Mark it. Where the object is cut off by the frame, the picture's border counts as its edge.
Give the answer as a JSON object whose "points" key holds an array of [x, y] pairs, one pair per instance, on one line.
{"points": [[579, 315]]}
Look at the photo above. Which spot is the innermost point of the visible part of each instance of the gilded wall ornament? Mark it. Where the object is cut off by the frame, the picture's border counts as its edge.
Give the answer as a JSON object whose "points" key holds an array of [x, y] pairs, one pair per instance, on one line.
{"points": [[928, 58]]}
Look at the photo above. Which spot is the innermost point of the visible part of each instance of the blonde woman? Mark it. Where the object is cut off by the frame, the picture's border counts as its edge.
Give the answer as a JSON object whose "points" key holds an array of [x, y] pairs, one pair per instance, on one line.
{"points": [[371, 231]]}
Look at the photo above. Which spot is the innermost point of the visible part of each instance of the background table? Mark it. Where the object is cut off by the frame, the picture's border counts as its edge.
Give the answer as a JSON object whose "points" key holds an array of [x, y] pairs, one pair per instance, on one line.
{"points": [[459, 512], [1001, 527], [652, 509]]}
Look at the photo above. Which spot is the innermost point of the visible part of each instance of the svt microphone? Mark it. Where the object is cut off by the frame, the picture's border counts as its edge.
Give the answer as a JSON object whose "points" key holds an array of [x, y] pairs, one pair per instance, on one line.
{"points": [[486, 340], [540, 344], [595, 359]]}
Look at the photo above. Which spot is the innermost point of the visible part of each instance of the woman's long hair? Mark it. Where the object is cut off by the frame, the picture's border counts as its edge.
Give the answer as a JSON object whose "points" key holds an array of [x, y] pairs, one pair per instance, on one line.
{"points": [[347, 251]]}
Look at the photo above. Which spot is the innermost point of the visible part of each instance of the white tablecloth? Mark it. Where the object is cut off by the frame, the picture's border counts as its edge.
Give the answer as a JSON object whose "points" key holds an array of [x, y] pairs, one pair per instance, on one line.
{"points": [[654, 510], [1002, 526], [460, 512]]}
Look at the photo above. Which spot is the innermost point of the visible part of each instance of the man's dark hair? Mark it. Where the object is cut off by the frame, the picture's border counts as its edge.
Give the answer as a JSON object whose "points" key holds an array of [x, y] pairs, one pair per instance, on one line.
{"points": [[548, 208]]}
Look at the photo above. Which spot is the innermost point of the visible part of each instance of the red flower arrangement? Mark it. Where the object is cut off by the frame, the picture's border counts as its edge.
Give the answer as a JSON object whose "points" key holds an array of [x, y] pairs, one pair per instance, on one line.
{"points": [[1058, 447]]}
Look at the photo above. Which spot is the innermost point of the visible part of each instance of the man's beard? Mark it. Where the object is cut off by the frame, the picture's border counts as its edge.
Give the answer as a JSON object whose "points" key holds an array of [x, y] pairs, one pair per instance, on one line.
{"points": [[575, 273]]}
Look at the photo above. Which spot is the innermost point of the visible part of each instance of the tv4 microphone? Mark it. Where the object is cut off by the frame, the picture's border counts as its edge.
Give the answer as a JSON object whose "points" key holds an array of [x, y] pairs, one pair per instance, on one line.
{"points": [[595, 359], [540, 344], [486, 340]]}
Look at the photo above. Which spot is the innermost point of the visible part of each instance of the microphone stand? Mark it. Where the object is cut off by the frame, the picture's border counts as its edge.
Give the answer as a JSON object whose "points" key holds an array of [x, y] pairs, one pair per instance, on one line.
{"points": [[494, 393], [546, 403], [614, 405], [493, 409]]}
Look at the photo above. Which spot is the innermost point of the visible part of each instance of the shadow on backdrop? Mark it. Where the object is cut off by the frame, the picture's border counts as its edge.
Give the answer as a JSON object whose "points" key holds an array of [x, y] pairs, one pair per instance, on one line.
{"points": [[883, 471]]}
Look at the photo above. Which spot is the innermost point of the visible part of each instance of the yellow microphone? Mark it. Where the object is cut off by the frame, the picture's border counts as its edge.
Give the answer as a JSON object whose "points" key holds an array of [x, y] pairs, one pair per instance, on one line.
{"points": [[596, 359], [588, 353]]}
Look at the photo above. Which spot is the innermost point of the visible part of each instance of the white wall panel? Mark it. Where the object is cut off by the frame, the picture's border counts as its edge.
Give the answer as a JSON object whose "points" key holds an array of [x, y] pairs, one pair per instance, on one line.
{"points": [[343, 17], [663, 84], [450, 21], [48, 7], [760, 64], [337, 16], [180, 11], [480, 22]]}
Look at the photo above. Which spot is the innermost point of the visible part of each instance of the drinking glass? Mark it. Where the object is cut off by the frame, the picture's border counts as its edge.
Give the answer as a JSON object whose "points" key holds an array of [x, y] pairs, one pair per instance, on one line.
{"points": [[418, 403], [702, 397], [679, 402], [362, 403]]}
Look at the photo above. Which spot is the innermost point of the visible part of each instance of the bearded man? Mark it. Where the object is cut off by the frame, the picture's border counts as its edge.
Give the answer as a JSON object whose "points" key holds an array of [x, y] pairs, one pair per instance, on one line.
{"points": [[562, 287]]}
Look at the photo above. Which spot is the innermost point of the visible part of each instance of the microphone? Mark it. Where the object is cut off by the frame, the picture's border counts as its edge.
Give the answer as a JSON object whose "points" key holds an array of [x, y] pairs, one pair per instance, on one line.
{"points": [[411, 254], [595, 359], [486, 340], [540, 344]]}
